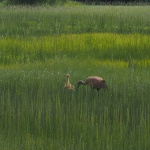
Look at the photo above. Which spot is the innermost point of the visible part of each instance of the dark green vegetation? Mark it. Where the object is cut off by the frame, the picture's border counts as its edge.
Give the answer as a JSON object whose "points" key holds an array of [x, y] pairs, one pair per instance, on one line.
{"points": [[54, 2], [41, 45], [39, 21]]}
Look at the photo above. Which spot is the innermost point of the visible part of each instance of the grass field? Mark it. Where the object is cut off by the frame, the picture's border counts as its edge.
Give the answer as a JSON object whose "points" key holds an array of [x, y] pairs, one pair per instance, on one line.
{"points": [[40, 45]]}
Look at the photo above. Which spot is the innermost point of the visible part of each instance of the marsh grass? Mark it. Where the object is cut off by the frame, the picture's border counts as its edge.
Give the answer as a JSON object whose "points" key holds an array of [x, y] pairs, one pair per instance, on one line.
{"points": [[36, 112], [28, 21], [106, 46]]}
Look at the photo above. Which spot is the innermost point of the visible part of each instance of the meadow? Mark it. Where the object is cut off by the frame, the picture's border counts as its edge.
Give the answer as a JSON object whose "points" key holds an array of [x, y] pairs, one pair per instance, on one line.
{"points": [[40, 45]]}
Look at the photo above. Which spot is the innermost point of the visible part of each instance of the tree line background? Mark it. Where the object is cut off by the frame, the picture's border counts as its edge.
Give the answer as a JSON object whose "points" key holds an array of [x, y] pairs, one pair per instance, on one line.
{"points": [[32, 2]]}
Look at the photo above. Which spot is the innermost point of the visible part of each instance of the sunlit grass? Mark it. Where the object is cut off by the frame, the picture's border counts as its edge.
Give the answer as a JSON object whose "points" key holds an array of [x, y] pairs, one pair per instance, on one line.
{"points": [[104, 46]]}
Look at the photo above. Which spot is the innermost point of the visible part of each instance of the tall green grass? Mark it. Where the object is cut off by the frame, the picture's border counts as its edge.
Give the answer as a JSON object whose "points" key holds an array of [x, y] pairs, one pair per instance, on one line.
{"points": [[106, 46], [36, 112], [26, 21]]}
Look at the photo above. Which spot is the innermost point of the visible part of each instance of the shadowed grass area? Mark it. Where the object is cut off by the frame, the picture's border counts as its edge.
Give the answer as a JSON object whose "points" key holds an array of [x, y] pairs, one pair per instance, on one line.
{"points": [[37, 21], [39, 113]]}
